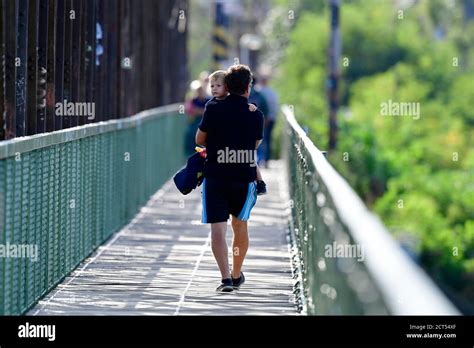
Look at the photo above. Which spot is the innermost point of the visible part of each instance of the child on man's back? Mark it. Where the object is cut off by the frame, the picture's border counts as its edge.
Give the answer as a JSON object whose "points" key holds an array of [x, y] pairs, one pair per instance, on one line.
{"points": [[219, 92]]}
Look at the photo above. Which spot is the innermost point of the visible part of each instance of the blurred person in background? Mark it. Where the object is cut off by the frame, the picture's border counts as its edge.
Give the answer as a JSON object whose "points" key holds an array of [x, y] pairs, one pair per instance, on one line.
{"points": [[271, 98], [194, 108], [257, 98], [204, 79]]}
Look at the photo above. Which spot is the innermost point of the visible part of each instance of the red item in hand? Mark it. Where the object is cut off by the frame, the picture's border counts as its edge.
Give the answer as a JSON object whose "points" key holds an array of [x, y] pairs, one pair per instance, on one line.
{"points": [[202, 151]]}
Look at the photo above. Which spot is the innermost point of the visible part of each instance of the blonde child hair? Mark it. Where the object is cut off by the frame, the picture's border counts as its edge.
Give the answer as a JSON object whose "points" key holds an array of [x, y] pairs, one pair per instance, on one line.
{"points": [[217, 75]]}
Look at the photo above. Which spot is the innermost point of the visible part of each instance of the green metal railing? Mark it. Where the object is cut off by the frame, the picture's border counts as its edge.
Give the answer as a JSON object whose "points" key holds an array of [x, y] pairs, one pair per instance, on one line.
{"points": [[348, 263], [67, 192]]}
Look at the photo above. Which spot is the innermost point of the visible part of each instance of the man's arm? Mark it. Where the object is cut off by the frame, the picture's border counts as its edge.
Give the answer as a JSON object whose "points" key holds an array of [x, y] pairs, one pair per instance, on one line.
{"points": [[205, 125], [257, 144], [201, 137]]}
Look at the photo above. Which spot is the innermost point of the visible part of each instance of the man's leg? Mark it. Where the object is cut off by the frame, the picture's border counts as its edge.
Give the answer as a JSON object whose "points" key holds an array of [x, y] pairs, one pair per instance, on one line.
{"points": [[240, 245], [219, 247]]}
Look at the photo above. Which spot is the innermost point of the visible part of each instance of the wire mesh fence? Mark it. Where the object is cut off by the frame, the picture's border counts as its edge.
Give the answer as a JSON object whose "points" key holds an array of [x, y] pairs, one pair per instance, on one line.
{"points": [[348, 262], [63, 194]]}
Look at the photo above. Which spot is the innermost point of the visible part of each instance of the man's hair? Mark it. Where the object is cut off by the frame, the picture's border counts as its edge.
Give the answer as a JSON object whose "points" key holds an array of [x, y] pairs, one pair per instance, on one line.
{"points": [[217, 75], [238, 78]]}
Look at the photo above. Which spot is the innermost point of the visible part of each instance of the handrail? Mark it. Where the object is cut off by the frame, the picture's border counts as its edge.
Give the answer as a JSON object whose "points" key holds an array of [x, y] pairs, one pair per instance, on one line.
{"points": [[394, 284], [64, 193], [9, 148]]}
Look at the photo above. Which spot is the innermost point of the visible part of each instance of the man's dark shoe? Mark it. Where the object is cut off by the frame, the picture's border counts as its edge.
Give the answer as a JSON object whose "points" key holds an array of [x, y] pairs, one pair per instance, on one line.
{"points": [[226, 286], [239, 281], [261, 187]]}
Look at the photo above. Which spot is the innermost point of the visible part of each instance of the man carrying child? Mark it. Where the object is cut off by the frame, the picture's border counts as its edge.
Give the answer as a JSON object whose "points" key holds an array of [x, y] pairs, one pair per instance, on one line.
{"points": [[229, 188]]}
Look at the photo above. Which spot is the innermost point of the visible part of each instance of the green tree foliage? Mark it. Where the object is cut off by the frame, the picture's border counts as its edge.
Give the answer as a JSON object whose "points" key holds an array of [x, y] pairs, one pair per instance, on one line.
{"points": [[415, 171]]}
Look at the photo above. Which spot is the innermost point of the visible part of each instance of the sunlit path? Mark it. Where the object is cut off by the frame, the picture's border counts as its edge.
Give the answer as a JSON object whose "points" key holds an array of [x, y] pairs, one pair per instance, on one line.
{"points": [[161, 264]]}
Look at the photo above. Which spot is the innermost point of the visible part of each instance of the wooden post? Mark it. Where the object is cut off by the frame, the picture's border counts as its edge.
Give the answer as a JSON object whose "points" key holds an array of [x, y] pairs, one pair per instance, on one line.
{"points": [[42, 66], [59, 72], [67, 87], [51, 67], [32, 68], [21, 74], [2, 75]]}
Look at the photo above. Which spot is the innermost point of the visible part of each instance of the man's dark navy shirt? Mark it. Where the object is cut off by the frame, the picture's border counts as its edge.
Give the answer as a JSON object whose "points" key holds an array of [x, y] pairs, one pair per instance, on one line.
{"points": [[230, 125]]}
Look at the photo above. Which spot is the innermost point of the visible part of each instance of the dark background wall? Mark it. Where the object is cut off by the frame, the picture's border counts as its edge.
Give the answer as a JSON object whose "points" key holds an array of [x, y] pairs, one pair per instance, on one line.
{"points": [[53, 51]]}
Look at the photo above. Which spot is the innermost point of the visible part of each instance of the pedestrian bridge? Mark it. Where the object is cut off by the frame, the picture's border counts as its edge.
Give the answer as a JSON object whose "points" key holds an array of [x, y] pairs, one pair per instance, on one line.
{"points": [[115, 237]]}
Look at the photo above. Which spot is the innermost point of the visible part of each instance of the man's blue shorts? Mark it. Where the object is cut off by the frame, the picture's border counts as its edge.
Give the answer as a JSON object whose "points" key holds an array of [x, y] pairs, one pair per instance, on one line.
{"points": [[221, 197]]}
